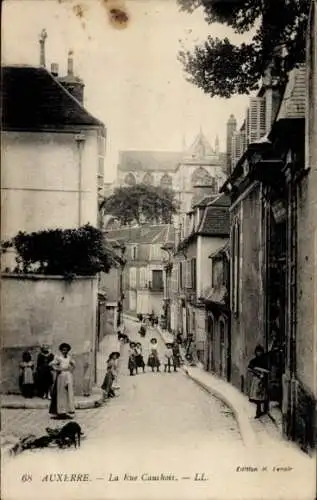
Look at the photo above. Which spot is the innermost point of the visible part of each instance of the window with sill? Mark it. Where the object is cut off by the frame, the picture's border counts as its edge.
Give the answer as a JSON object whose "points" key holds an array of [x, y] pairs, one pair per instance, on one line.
{"points": [[143, 276], [157, 280], [188, 276], [132, 277]]}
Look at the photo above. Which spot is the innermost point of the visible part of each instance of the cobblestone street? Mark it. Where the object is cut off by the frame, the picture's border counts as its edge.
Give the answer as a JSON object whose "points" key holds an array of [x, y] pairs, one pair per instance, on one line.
{"points": [[184, 432]]}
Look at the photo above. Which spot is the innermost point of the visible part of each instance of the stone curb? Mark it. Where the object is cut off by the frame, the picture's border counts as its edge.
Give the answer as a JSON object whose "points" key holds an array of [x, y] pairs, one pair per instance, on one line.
{"points": [[92, 402], [245, 429]]}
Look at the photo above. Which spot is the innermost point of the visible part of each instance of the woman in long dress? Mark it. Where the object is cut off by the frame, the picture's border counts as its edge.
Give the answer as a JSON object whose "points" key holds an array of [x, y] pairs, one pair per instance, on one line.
{"points": [[62, 403], [258, 367], [44, 376], [153, 360]]}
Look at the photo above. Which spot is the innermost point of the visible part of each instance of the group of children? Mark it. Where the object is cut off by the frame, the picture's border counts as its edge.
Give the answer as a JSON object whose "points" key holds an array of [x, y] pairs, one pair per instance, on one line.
{"points": [[171, 360], [171, 357], [36, 379]]}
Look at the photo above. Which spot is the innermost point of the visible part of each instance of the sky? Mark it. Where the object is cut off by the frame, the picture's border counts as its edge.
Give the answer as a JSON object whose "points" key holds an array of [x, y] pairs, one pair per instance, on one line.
{"points": [[133, 80]]}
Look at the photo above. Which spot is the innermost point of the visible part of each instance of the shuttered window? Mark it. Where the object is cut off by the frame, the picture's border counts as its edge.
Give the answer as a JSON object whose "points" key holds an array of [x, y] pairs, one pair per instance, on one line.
{"points": [[255, 122], [174, 281], [188, 275], [193, 274], [132, 277], [180, 276], [157, 280], [143, 277]]}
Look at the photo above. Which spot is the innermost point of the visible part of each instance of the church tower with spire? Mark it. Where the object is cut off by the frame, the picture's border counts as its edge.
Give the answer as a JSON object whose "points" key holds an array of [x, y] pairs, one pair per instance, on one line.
{"points": [[199, 173]]}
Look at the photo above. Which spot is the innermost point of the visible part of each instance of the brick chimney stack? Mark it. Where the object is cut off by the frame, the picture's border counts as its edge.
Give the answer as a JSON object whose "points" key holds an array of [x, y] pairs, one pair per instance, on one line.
{"points": [[72, 83], [42, 39]]}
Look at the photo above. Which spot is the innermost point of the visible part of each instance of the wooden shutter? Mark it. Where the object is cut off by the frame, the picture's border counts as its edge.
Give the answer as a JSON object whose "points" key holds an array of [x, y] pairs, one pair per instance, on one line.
{"points": [[188, 280], [193, 274], [157, 280]]}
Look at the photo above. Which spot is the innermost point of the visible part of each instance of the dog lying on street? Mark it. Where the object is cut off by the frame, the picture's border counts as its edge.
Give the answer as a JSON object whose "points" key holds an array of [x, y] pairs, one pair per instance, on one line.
{"points": [[68, 435]]}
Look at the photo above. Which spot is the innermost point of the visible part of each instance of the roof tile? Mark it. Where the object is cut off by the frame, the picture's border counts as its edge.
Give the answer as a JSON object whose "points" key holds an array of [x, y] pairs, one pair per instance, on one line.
{"points": [[294, 100], [216, 221], [32, 99]]}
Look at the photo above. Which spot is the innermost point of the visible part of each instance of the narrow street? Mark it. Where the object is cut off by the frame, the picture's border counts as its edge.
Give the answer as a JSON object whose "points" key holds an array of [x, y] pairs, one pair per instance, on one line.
{"points": [[186, 435]]}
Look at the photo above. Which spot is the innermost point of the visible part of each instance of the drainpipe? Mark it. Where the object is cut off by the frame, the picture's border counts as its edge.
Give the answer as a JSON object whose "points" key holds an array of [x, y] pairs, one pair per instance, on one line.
{"points": [[80, 140]]}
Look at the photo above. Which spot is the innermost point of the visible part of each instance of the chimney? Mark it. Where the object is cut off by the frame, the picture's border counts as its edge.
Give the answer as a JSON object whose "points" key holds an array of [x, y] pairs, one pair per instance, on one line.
{"points": [[54, 69], [70, 64], [42, 38], [72, 83]]}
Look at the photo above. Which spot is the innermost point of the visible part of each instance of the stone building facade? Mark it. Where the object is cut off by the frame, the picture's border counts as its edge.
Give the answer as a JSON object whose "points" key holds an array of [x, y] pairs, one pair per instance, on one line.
{"points": [[273, 249], [144, 274]]}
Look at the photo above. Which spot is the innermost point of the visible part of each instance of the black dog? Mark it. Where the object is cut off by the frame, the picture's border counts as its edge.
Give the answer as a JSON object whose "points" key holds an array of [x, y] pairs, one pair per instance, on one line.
{"points": [[31, 442], [68, 435]]}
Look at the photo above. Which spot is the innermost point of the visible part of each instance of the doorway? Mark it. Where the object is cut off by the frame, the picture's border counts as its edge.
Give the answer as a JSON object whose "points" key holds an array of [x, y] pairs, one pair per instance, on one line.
{"points": [[210, 343], [276, 334]]}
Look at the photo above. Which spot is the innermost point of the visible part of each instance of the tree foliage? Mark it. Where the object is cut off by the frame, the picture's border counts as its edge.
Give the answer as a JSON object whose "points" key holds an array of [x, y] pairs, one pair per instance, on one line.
{"points": [[222, 69], [67, 252], [141, 203]]}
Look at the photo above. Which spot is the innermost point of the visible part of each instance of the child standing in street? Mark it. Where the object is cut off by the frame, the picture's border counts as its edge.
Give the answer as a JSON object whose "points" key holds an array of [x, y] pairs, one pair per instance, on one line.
{"points": [[176, 355], [154, 361], [132, 359], [107, 385], [26, 378], [139, 361], [168, 357]]}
